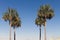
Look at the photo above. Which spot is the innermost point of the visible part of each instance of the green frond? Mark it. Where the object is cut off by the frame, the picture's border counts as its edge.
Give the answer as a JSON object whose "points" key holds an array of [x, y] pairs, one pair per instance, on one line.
{"points": [[6, 16]]}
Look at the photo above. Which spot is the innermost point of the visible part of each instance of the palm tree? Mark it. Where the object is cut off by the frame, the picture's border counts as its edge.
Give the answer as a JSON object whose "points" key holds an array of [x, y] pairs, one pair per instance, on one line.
{"points": [[45, 13], [16, 22], [6, 17], [12, 16], [39, 22]]}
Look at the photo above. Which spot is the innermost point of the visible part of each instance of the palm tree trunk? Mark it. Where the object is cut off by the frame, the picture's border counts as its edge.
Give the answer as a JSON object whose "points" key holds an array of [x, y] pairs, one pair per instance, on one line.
{"points": [[10, 27], [45, 31], [14, 33], [10, 33], [40, 32]]}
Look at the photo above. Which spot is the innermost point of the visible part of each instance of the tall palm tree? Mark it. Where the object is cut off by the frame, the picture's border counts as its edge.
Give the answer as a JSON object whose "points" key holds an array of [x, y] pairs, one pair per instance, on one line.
{"points": [[6, 17], [45, 13], [12, 16]]}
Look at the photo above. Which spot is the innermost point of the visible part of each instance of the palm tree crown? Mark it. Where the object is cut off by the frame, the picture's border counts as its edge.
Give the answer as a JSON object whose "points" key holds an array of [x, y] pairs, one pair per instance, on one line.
{"points": [[39, 21], [46, 12], [12, 16]]}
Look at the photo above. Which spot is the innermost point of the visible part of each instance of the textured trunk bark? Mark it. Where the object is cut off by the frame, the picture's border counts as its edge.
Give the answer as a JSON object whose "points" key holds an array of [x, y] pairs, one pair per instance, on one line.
{"points": [[45, 31], [40, 32], [10, 33], [14, 33]]}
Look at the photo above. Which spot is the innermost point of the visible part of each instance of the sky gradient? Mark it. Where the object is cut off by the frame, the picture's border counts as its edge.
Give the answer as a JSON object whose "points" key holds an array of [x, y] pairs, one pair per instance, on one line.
{"points": [[27, 10]]}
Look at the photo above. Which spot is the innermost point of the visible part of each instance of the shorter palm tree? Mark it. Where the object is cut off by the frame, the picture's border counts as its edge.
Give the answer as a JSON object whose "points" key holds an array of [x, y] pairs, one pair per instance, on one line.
{"points": [[39, 22], [15, 24]]}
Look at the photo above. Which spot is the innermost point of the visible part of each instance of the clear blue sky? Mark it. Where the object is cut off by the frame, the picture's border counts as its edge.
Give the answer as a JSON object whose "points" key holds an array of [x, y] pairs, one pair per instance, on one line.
{"points": [[27, 10]]}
